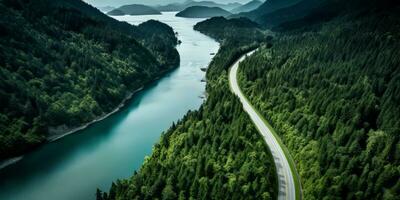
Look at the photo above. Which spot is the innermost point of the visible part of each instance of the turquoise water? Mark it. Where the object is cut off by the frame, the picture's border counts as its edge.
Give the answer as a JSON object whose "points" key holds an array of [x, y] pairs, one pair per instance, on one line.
{"points": [[74, 166]]}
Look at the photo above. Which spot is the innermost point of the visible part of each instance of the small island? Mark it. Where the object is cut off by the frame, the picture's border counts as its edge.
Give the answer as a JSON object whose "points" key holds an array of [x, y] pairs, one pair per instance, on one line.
{"points": [[116, 12], [134, 9], [202, 12]]}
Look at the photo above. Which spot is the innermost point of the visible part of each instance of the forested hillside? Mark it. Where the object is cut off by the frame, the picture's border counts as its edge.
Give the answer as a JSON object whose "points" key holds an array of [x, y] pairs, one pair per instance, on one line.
{"points": [[267, 7], [134, 9], [177, 7], [240, 30], [332, 92], [212, 153], [65, 63], [329, 85], [202, 12], [251, 5]]}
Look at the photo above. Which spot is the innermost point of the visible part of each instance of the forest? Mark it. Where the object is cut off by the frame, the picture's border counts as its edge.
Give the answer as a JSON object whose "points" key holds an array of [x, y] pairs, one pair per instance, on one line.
{"points": [[330, 87], [212, 153], [332, 92], [64, 63], [240, 30]]}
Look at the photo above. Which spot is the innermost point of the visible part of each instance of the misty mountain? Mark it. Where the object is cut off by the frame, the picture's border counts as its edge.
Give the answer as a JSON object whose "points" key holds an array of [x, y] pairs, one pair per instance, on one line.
{"points": [[293, 12], [106, 8], [266, 8], [252, 5], [305, 12]]}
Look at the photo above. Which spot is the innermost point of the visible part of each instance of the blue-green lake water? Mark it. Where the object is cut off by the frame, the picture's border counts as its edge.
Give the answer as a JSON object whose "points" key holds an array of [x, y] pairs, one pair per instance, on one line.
{"points": [[74, 166]]}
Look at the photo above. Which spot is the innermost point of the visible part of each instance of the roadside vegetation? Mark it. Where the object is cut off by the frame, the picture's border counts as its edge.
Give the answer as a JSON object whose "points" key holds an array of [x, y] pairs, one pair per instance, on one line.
{"points": [[332, 92], [212, 153]]}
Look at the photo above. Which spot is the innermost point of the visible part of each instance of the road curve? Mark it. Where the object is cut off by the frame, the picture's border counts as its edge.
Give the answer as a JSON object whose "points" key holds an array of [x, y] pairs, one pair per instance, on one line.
{"points": [[286, 184]]}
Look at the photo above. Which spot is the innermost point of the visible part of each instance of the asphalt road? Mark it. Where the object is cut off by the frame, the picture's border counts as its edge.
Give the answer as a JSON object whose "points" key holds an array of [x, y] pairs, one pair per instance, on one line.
{"points": [[286, 182]]}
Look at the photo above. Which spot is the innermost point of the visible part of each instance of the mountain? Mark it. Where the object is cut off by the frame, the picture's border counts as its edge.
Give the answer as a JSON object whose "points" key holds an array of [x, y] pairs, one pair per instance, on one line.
{"points": [[266, 8], [305, 12], [64, 63], [237, 29], [116, 12], [293, 12], [106, 9], [252, 5], [190, 3], [202, 12], [134, 9]]}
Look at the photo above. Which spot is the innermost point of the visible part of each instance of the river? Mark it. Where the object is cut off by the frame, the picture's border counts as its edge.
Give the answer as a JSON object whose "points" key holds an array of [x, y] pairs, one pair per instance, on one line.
{"points": [[74, 166]]}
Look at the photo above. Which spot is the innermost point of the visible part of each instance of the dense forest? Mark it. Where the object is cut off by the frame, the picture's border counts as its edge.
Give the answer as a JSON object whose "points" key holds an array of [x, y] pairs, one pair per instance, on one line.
{"points": [[329, 83], [238, 30], [332, 92], [212, 153], [64, 63]]}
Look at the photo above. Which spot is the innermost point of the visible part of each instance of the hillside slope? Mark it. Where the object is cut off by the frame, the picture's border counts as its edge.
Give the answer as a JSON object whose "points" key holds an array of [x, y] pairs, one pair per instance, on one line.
{"points": [[329, 85], [331, 90], [202, 12], [212, 153], [239, 30], [64, 63], [266, 8], [134, 9], [252, 5]]}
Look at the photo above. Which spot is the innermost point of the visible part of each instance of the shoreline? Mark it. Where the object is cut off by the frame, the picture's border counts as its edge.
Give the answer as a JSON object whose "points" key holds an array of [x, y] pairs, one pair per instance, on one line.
{"points": [[10, 161], [53, 138], [67, 132]]}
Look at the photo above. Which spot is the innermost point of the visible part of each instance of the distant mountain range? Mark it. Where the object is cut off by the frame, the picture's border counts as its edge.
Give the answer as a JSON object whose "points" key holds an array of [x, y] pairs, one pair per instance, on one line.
{"points": [[252, 5], [190, 3], [203, 12], [266, 8], [252, 10], [134, 9], [106, 9]]}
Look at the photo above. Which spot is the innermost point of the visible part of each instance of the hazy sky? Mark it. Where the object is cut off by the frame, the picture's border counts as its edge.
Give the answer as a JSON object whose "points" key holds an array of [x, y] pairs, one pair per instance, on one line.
{"points": [[148, 2]]}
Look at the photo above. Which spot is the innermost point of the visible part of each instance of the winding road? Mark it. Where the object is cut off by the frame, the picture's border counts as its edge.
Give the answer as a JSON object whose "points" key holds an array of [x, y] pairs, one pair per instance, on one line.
{"points": [[286, 182]]}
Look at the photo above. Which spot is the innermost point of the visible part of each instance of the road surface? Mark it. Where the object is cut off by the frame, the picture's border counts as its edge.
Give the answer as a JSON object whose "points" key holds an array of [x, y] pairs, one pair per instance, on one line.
{"points": [[287, 189]]}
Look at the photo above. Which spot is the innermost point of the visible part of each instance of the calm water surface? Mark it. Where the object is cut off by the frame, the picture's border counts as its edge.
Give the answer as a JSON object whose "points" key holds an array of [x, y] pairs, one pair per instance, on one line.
{"points": [[73, 167]]}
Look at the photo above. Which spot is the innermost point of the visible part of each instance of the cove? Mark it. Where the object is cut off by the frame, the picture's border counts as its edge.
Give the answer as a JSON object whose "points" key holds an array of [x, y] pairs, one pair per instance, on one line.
{"points": [[74, 166]]}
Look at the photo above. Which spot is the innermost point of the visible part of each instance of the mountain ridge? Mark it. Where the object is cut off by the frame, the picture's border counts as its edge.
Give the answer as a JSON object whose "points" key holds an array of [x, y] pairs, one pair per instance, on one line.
{"points": [[202, 12], [252, 5], [182, 6], [134, 9]]}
